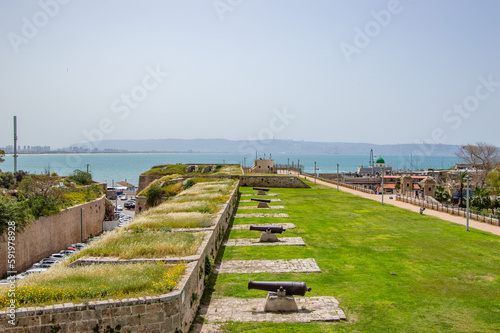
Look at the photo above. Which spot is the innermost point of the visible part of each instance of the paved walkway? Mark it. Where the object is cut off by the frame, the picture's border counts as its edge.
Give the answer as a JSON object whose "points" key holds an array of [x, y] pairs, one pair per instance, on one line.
{"points": [[268, 266], [255, 242], [444, 216]]}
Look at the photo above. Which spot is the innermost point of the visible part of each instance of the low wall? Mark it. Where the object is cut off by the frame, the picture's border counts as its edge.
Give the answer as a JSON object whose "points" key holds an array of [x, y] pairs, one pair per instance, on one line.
{"points": [[447, 209], [272, 181], [54, 233], [173, 312], [353, 187]]}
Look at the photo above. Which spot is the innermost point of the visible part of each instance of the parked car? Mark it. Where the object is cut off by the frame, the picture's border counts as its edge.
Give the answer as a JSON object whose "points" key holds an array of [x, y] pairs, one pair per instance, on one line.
{"points": [[47, 260], [79, 246], [33, 270], [123, 197], [57, 256], [44, 265], [67, 252], [129, 204], [119, 208]]}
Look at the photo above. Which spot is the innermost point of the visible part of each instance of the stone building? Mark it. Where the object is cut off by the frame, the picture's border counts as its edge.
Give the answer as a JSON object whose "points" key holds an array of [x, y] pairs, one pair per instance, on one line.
{"points": [[263, 166]]}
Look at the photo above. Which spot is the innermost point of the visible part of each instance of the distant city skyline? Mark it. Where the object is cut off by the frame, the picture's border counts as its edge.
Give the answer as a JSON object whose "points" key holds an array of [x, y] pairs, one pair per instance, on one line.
{"points": [[374, 71]]}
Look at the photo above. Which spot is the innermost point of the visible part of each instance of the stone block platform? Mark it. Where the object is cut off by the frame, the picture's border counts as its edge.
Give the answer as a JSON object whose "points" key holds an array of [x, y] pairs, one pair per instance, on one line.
{"points": [[261, 215], [255, 207], [268, 266], [267, 195], [255, 242], [252, 310], [272, 200], [247, 226]]}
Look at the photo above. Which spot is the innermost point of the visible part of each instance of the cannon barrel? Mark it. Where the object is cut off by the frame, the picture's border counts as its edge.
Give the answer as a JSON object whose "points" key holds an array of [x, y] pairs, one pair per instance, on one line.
{"points": [[261, 200], [274, 229], [261, 189], [292, 288]]}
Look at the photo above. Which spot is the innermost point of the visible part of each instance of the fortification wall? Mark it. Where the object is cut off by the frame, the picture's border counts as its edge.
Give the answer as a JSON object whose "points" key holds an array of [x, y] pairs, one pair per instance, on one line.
{"points": [[53, 233], [173, 312]]}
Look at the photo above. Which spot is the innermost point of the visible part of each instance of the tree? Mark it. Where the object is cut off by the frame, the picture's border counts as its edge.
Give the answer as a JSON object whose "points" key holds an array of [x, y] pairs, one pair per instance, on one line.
{"points": [[81, 177], [42, 194], [12, 210], [7, 179], [481, 156], [462, 178], [442, 195], [153, 194], [2, 154], [493, 182]]}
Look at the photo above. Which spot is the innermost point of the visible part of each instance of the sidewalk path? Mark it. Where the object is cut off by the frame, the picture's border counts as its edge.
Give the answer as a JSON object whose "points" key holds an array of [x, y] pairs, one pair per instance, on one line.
{"points": [[444, 216]]}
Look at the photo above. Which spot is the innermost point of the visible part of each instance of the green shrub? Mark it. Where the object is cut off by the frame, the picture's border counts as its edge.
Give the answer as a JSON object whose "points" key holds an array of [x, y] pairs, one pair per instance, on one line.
{"points": [[153, 195], [12, 210], [190, 182], [81, 177]]}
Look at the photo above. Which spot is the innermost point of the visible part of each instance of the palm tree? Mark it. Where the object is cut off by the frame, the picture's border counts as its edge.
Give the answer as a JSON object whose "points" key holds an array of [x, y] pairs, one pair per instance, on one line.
{"points": [[462, 178]]}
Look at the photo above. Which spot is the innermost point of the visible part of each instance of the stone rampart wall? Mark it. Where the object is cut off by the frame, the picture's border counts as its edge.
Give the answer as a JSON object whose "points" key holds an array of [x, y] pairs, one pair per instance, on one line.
{"points": [[173, 312], [51, 234]]}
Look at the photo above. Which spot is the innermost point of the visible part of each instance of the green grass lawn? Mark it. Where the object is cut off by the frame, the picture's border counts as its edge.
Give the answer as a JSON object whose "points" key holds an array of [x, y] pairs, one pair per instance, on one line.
{"points": [[391, 270]]}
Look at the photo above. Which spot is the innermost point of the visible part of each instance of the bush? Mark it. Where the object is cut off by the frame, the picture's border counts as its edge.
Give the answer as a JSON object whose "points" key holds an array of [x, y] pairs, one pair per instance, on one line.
{"points": [[7, 180], [190, 182], [12, 210], [153, 195], [81, 177], [42, 196]]}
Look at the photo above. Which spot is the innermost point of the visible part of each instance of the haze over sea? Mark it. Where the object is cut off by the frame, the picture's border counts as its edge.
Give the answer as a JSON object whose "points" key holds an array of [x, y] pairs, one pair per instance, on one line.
{"points": [[119, 167]]}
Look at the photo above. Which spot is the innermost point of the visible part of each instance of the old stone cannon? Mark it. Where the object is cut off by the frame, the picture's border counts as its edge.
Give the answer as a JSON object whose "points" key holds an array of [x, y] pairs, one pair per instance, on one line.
{"points": [[280, 296], [262, 191], [263, 203]]}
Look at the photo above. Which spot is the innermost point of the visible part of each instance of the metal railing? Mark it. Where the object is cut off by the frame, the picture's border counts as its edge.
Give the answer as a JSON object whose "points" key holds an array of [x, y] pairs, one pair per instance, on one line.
{"points": [[473, 214]]}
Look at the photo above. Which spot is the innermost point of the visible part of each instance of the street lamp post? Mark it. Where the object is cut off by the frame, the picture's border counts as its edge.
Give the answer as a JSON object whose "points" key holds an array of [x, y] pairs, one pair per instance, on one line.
{"points": [[382, 187], [314, 172], [337, 177], [468, 178]]}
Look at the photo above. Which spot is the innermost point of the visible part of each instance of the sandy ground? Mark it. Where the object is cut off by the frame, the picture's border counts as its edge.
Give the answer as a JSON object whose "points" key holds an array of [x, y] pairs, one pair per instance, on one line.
{"points": [[444, 216]]}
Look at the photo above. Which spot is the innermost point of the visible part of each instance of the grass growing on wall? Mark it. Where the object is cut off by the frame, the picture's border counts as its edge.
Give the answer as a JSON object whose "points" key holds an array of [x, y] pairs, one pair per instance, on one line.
{"points": [[158, 222], [392, 270], [128, 245], [94, 282]]}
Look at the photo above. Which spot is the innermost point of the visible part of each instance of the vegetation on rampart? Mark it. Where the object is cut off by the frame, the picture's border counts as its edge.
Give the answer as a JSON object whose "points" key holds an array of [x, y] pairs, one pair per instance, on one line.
{"points": [[180, 169], [81, 284], [30, 196]]}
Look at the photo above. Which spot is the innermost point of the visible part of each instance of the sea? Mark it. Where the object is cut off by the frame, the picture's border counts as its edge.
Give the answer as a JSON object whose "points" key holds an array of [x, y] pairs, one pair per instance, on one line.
{"points": [[111, 168]]}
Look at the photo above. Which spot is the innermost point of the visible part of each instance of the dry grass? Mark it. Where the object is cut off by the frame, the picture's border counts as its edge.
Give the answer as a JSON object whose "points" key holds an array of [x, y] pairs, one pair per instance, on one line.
{"points": [[157, 222], [84, 283], [127, 245]]}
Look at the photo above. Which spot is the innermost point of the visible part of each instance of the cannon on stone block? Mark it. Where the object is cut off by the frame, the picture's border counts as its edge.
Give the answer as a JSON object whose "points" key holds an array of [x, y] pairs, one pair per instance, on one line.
{"points": [[268, 232], [280, 296], [263, 203], [262, 191]]}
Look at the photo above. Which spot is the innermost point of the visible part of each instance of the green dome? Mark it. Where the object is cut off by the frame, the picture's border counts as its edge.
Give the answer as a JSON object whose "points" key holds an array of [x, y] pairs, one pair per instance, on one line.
{"points": [[380, 160]]}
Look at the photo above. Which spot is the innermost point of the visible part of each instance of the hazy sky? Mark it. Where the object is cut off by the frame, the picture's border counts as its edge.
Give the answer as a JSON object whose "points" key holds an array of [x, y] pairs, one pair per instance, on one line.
{"points": [[351, 71]]}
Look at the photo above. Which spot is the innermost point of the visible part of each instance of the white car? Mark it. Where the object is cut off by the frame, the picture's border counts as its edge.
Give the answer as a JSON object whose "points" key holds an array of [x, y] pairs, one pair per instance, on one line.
{"points": [[57, 256], [119, 207], [123, 197]]}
